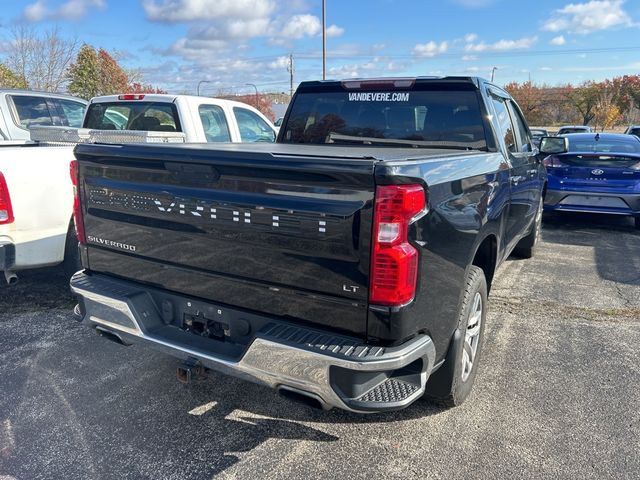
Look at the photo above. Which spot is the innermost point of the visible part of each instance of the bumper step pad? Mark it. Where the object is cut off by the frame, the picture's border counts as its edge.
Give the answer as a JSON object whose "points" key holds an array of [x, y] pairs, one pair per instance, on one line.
{"points": [[390, 391]]}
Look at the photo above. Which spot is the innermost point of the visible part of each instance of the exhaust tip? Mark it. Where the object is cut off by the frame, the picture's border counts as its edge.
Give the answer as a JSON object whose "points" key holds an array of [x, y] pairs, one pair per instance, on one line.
{"points": [[11, 278], [300, 396], [114, 337]]}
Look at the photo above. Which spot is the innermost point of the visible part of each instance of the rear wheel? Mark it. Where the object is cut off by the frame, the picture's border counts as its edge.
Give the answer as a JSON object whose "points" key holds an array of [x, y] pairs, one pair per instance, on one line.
{"points": [[637, 221], [526, 247], [451, 384]]}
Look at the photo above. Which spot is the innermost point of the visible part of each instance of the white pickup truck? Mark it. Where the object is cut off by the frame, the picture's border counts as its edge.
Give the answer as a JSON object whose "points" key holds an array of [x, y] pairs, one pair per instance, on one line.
{"points": [[201, 119], [21, 110], [36, 191]]}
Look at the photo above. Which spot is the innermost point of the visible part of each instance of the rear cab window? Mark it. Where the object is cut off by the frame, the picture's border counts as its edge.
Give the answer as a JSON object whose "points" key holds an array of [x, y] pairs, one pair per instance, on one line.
{"points": [[133, 115], [425, 114]]}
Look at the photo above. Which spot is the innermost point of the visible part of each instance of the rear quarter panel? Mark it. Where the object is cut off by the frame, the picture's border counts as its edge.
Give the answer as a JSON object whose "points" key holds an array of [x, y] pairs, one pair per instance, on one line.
{"points": [[468, 197]]}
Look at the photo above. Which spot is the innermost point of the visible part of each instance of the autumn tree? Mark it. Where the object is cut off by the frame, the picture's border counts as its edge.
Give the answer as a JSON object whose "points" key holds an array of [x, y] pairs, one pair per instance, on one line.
{"points": [[585, 98], [260, 102], [84, 74], [530, 99], [9, 79], [607, 113], [113, 78], [137, 87], [40, 59], [99, 73]]}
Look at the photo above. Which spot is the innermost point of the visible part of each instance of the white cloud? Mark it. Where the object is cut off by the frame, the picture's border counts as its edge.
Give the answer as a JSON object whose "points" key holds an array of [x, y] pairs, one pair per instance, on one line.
{"points": [[469, 58], [584, 18], [69, 10], [559, 40], [334, 31], [470, 37], [430, 49], [171, 11], [36, 12], [279, 63], [546, 69], [502, 45], [300, 26]]}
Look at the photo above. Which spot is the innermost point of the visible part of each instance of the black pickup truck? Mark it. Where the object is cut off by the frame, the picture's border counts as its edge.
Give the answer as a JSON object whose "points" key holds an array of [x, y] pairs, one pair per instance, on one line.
{"points": [[348, 265]]}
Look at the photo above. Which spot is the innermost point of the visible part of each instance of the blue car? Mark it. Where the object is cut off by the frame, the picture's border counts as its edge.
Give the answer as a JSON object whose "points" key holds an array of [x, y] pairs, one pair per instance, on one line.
{"points": [[593, 172]]}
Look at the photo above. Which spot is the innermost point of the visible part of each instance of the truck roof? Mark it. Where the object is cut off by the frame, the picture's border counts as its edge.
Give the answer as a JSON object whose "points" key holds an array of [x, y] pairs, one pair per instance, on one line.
{"points": [[164, 98], [20, 91], [399, 81]]}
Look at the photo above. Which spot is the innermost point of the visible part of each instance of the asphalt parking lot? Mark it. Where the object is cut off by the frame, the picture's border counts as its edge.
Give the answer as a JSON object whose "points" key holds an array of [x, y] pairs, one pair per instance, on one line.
{"points": [[557, 394]]}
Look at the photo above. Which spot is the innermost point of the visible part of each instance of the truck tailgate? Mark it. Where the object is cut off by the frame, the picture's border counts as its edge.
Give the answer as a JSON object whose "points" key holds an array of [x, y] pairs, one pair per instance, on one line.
{"points": [[279, 229]]}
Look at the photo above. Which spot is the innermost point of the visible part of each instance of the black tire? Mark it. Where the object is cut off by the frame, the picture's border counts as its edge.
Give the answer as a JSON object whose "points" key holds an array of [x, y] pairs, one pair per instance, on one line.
{"points": [[526, 247], [71, 263], [451, 384], [637, 222]]}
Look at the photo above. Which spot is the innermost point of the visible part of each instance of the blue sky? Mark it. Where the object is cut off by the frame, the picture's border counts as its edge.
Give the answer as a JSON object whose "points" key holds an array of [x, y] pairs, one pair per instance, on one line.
{"points": [[177, 43]]}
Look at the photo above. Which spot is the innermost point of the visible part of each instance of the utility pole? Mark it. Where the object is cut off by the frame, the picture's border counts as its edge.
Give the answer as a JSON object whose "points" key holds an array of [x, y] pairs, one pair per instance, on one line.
{"points": [[290, 70], [493, 71], [324, 41]]}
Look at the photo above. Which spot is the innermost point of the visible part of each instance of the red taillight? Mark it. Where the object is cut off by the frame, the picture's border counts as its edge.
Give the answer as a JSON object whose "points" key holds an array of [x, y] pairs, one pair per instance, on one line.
{"points": [[394, 262], [6, 212], [553, 161], [77, 209], [131, 96]]}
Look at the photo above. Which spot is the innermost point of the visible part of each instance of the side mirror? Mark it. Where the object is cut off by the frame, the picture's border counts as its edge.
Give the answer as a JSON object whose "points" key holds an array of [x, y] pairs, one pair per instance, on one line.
{"points": [[551, 145]]}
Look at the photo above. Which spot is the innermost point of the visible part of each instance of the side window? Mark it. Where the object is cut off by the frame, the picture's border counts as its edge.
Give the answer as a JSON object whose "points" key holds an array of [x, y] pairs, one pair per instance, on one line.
{"points": [[31, 111], [521, 128], [504, 122], [73, 112], [252, 127], [214, 123]]}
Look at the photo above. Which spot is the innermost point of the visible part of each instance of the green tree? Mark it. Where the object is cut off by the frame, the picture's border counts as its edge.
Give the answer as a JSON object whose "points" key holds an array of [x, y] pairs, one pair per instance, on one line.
{"points": [[99, 73], [84, 74], [9, 79]]}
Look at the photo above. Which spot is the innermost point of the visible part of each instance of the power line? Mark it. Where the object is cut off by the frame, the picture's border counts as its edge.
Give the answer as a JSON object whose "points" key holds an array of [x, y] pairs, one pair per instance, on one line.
{"points": [[478, 54]]}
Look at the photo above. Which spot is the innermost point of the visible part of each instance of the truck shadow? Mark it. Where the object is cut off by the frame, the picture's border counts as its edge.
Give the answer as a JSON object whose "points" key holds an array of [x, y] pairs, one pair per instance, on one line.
{"points": [[265, 402], [614, 239]]}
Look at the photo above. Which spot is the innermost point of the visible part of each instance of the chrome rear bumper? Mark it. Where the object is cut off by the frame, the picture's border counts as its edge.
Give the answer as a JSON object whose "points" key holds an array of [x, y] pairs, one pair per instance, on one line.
{"points": [[337, 371]]}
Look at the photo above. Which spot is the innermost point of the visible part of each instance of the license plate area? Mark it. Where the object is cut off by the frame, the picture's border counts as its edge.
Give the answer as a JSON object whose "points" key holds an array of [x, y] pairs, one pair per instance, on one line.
{"points": [[205, 327], [594, 201]]}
